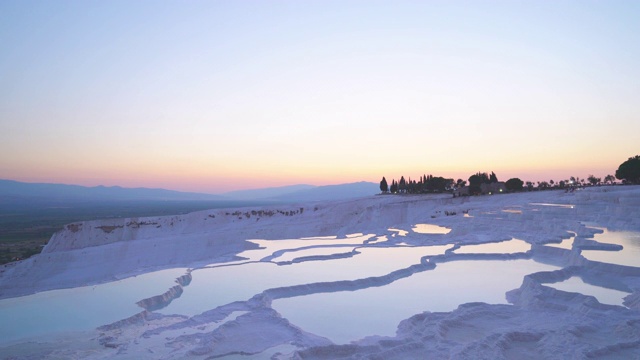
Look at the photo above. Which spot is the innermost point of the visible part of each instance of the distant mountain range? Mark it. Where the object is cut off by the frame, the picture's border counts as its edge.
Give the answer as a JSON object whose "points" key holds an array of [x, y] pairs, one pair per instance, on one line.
{"points": [[10, 189], [267, 193], [15, 191], [331, 192], [307, 192]]}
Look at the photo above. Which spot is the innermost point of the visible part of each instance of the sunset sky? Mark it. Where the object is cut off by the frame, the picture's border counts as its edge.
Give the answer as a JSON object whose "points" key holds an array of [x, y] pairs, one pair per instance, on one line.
{"points": [[213, 96]]}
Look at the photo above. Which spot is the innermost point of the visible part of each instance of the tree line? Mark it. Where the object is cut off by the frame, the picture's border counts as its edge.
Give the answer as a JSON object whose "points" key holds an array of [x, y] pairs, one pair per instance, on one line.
{"points": [[628, 172], [426, 184], [438, 184]]}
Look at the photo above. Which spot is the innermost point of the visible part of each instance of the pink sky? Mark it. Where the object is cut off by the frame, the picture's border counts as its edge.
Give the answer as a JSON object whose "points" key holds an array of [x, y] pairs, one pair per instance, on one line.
{"points": [[219, 96]]}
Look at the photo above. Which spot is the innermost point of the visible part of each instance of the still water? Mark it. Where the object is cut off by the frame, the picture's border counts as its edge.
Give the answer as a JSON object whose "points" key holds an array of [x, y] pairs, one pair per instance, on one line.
{"points": [[81, 308], [341, 316], [603, 295], [628, 256], [212, 287], [505, 247], [346, 316]]}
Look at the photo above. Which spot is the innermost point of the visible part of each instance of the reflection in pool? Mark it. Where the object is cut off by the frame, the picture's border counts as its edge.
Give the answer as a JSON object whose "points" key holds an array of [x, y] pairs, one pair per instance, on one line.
{"points": [[566, 206], [430, 229], [367, 311], [323, 251], [512, 211], [604, 295], [505, 247], [629, 255], [212, 287], [378, 239], [81, 308], [564, 244], [268, 247], [399, 231], [378, 310]]}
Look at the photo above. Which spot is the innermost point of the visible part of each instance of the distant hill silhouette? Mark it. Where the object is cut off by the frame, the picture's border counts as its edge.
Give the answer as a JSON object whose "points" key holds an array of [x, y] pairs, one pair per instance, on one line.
{"points": [[35, 192], [15, 192], [332, 192], [266, 193]]}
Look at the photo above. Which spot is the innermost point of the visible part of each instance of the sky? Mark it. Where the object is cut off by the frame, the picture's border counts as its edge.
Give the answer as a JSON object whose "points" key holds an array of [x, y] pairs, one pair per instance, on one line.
{"points": [[214, 96]]}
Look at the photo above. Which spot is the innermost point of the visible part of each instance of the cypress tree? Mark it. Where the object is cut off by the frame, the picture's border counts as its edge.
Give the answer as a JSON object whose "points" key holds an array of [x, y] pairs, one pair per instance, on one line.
{"points": [[383, 185]]}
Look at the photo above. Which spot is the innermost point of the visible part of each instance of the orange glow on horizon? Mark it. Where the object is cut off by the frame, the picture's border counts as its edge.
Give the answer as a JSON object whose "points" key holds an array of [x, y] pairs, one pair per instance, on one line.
{"points": [[220, 183]]}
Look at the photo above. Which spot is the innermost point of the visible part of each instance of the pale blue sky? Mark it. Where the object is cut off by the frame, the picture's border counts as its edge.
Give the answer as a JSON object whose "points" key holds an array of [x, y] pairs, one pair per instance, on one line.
{"points": [[219, 95]]}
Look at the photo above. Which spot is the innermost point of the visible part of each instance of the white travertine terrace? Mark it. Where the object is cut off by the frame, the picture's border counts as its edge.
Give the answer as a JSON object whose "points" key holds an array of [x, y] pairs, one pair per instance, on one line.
{"points": [[534, 321]]}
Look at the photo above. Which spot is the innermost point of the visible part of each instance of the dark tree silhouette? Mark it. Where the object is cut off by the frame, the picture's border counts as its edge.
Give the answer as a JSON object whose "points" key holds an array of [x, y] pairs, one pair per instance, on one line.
{"points": [[594, 180], [476, 180], [394, 186], [529, 185], [402, 185], [426, 184], [438, 184], [493, 178], [479, 178], [543, 185], [610, 179], [384, 187], [629, 171], [514, 184]]}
